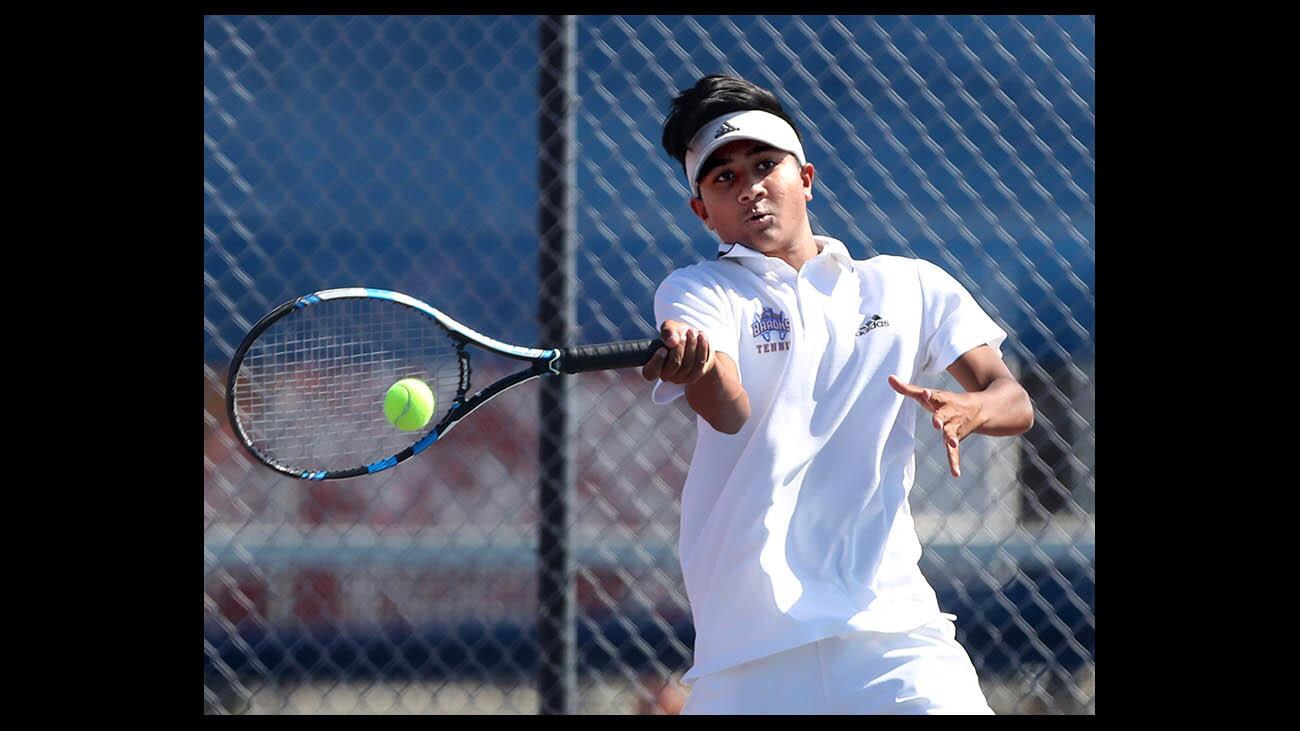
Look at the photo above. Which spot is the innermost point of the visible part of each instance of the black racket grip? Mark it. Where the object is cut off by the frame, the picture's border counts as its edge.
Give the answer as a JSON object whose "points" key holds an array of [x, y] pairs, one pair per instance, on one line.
{"points": [[606, 356]]}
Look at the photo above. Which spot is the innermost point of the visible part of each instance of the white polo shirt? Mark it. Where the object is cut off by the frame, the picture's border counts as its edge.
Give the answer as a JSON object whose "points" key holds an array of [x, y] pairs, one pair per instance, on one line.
{"points": [[797, 528]]}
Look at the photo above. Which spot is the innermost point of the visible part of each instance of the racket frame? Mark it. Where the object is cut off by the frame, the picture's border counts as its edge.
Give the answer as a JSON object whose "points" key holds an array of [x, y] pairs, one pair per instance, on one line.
{"points": [[544, 362]]}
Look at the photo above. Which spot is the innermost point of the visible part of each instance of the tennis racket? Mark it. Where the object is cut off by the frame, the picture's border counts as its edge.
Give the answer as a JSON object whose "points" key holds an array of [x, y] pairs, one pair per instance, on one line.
{"points": [[306, 386]]}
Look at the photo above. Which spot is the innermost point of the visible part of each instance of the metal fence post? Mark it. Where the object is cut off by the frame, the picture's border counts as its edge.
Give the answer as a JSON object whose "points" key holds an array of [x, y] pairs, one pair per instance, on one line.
{"points": [[556, 225]]}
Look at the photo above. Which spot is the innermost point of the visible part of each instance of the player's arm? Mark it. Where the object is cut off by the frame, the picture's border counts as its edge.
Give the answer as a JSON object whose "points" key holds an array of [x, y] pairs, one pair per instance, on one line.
{"points": [[994, 404], [1003, 408], [711, 378]]}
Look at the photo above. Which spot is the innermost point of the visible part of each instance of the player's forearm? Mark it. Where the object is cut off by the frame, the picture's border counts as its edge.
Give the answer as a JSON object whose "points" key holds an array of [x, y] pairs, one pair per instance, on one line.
{"points": [[1005, 409], [719, 398]]}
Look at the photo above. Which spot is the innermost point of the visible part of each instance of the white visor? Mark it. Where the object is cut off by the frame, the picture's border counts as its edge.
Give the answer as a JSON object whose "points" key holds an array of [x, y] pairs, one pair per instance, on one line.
{"points": [[750, 124]]}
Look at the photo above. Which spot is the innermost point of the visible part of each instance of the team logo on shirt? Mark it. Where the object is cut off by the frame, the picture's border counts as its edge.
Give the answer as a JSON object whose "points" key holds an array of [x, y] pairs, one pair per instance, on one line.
{"points": [[871, 323], [766, 324]]}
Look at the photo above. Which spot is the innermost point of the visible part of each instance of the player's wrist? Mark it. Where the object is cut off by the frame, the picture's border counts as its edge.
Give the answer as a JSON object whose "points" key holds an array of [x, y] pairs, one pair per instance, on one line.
{"points": [[981, 418], [989, 406], [1004, 409]]}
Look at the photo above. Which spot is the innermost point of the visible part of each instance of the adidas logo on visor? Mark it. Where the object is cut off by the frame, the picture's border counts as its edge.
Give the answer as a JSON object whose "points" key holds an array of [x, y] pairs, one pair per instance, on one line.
{"points": [[725, 128]]}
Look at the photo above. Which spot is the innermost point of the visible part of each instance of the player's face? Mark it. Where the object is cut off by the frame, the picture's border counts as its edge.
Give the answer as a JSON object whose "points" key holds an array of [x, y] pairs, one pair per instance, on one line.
{"points": [[755, 194]]}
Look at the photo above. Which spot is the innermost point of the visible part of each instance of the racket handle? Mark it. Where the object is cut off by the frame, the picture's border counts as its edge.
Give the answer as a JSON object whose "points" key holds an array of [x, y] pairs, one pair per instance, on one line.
{"points": [[625, 354]]}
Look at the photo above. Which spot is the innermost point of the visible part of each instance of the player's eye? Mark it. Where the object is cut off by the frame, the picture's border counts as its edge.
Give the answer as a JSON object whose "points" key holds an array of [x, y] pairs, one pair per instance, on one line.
{"points": [[724, 177], [766, 164]]}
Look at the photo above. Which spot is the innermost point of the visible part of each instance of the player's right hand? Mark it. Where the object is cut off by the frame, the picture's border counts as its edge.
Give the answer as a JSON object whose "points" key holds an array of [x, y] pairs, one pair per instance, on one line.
{"points": [[685, 358]]}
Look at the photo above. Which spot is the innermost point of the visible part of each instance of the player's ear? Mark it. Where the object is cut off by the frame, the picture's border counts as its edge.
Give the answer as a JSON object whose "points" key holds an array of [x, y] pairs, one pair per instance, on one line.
{"points": [[807, 175], [701, 212]]}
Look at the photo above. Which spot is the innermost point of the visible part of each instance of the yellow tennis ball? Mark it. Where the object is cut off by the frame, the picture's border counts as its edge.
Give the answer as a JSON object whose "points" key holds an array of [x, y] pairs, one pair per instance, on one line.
{"points": [[408, 405]]}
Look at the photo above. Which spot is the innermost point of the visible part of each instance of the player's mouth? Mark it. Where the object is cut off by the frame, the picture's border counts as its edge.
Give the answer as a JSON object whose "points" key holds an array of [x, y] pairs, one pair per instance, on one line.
{"points": [[760, 218]]}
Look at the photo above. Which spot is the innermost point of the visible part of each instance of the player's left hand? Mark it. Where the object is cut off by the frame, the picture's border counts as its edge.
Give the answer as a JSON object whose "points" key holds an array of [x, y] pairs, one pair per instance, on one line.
{"points": [[954, 414]]}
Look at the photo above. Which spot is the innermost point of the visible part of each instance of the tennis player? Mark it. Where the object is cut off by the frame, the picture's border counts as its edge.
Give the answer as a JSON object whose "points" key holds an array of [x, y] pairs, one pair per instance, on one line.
{"points": [[797, 543]]}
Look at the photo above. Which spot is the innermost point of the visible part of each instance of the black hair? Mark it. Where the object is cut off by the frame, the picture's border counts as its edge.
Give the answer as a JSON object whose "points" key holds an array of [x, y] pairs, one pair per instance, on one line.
{"points": [[712, 97]]}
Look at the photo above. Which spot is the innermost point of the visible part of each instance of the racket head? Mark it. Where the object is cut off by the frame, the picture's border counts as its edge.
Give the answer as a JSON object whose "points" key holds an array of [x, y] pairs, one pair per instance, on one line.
{"points": [[306, 386]]}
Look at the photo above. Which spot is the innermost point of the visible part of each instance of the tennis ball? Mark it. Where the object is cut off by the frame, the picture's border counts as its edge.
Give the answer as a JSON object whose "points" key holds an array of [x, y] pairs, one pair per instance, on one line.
{"points": [[408, 405]]}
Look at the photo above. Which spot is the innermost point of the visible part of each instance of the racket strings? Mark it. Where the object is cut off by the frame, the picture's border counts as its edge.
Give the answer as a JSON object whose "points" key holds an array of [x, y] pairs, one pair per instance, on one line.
{"points": [[310, 390]]}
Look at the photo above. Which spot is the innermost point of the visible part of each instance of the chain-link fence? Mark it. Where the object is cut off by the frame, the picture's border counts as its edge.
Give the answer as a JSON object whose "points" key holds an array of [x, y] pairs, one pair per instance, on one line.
{"points": [[402, 153]]}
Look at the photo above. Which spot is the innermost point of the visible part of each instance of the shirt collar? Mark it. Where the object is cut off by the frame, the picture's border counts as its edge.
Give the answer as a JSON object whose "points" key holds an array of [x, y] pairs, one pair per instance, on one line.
{"points": [[827, 246]]}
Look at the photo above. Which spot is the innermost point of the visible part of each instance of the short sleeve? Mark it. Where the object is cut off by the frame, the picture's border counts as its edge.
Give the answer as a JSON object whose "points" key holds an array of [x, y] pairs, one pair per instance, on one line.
{"points": [[702, 305], [953, 323]]}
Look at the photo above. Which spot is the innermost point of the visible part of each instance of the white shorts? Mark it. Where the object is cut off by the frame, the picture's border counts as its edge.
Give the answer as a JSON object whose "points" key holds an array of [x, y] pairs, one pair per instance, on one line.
{"points": [[923, 671]]}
